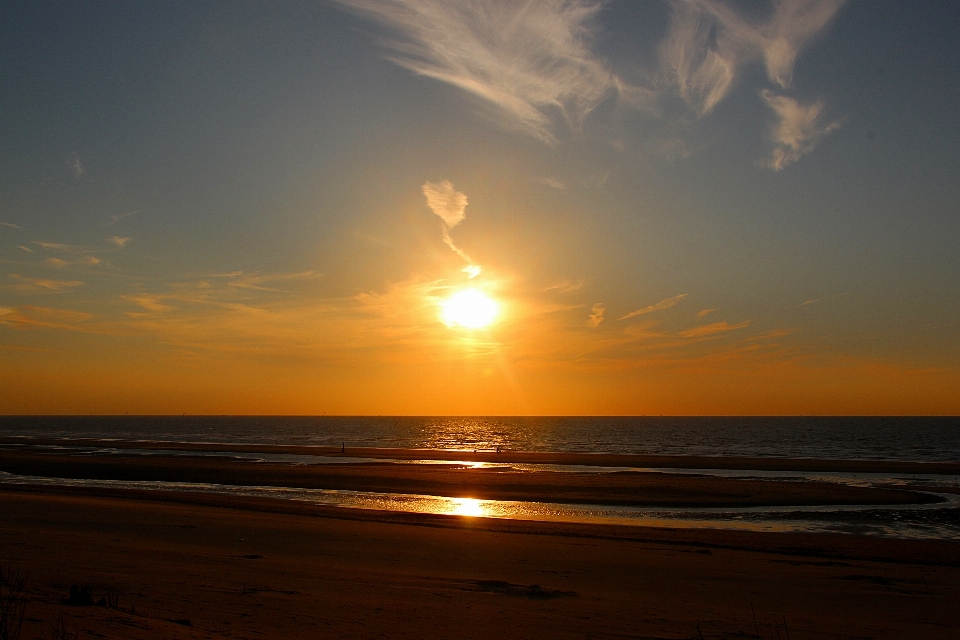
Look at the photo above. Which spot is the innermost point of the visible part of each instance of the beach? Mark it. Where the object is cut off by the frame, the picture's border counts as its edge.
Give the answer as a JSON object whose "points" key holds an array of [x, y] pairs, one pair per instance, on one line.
{"points": [[176, 564], [248, 569]]}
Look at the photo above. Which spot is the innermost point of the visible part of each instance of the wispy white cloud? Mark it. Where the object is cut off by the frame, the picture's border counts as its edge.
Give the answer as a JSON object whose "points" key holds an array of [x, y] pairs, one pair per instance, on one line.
{"points": [[11, 225], [596, 315], [58, 263], [529, 59], [836, 295], [663, 304], [798, 129], [228, 291], [705, 313], [712, 329], [565, 287], [41, 285], [76, 254], [77, 167], [29, 316], [27, 249], [150, 302], [709, 42], [54, 245], [450, 206], [553, 183], [115, 218], [701, 59], [534, 62], [446, 202]]}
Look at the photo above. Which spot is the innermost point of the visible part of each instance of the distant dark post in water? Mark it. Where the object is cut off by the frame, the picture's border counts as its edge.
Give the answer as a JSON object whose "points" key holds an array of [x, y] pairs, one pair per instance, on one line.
{"points": [[343, 447]]}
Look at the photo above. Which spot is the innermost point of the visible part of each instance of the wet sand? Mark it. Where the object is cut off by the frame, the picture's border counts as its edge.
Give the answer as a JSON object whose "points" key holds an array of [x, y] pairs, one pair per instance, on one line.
{"points": [[205, 566], [631, 488]]}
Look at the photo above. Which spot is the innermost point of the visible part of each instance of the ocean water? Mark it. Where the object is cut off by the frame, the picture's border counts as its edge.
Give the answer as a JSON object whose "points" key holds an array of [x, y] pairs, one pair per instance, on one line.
{"points": [[866, 438]]}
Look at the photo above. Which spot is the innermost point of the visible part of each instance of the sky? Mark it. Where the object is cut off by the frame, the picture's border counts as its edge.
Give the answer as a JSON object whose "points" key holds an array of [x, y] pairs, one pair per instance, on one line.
{"points": [[669, 207]]}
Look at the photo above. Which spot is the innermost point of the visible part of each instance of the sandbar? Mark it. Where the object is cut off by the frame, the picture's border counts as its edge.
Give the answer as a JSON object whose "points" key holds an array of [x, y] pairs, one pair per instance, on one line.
{"points": [[629, 488]]}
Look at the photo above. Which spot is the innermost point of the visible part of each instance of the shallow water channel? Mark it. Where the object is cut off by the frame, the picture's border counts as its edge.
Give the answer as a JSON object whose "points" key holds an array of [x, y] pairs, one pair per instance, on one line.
{"points": [[929, 521]]}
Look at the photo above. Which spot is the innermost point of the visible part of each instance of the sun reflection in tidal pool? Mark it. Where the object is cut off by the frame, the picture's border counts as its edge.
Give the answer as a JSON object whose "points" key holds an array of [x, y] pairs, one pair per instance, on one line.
{"points": [[466, 507]]}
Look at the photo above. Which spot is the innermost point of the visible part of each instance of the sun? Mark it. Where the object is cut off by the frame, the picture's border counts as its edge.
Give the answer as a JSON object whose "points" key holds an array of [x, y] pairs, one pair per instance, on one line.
{"points": [[469, 308]]}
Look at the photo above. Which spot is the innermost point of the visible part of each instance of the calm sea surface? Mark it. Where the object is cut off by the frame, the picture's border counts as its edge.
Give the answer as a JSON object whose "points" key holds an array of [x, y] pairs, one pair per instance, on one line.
{"points": [[884, 438]]}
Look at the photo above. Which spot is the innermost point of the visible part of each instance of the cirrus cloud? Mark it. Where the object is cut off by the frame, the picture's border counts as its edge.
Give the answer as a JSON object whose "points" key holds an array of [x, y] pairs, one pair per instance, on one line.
{"points": [[663, 304], [449, 205], [41, 285], [534, 63], [530, 60], [712, 329]]}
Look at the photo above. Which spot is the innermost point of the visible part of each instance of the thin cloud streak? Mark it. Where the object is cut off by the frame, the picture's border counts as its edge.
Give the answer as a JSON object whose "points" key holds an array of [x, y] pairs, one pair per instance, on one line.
{"points": [[596, 315], [77, 167], [663, 304], [11, 225], [54, 245], [42, 285], [798, 129], [449, 205], [114, 219], [709, 42], [565, 287], [533, 63], [814, 301], [712, 329], [150, 302], [553, 183]]}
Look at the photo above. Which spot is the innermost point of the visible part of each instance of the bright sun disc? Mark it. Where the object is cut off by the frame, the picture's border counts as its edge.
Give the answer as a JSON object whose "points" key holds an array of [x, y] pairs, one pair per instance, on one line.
{"points": [[469, 308]]}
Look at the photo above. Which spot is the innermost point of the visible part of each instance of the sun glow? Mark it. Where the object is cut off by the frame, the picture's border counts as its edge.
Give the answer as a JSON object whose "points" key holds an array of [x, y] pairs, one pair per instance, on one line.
{"points": [[469, 308]]}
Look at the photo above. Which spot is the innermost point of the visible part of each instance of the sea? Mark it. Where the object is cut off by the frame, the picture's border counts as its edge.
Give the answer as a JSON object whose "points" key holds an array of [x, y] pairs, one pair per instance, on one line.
{"points": [[914, 439], [925, 439]]}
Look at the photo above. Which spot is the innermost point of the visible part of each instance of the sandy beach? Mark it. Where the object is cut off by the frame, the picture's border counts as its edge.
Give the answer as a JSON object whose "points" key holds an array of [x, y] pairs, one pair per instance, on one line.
{"points": [[169, 564], [200, 566]]}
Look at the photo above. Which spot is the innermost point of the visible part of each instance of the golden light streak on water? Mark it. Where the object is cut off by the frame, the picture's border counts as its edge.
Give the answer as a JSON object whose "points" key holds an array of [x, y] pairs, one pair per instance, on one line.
{"points": [[467, 507]]}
